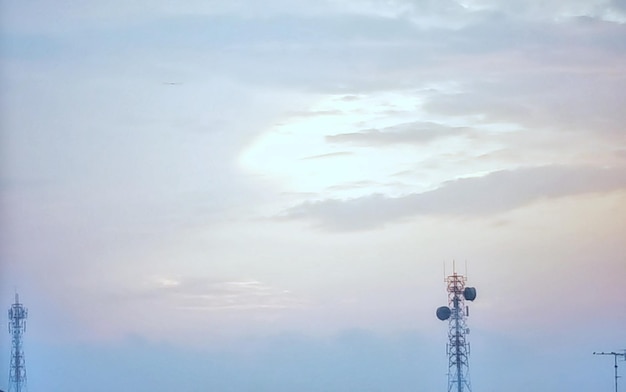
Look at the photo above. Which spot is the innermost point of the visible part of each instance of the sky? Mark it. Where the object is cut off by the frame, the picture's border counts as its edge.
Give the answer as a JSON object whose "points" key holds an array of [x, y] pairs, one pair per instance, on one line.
{"points": [[266, 196]]}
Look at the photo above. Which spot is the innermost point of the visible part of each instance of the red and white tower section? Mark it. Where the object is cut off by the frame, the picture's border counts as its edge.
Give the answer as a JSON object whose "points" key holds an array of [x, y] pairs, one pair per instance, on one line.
{"points": [[458, 347]]}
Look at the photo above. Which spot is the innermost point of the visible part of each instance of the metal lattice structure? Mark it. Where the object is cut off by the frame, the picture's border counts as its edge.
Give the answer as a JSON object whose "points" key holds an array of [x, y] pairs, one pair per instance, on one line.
{"points": [[458, 347], [615, 355], [17, 326]]}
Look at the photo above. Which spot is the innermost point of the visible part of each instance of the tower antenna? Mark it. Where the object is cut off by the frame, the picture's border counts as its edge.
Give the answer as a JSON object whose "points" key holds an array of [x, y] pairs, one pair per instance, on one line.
{"points": [[615, 355], [17, 325], [458, 348]]}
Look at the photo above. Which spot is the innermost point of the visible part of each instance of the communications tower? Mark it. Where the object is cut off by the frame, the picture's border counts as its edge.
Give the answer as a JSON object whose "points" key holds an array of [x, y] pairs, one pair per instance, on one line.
{"points": [[615, 355], [17, 325], [457, 348]]}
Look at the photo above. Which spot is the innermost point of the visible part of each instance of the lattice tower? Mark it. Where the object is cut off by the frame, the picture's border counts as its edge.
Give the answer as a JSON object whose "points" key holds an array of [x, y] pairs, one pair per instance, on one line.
{"points": [[457, 347], [17, 326]]}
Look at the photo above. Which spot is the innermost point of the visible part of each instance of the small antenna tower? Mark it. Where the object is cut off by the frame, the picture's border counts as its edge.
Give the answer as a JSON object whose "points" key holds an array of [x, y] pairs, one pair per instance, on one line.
{"points": [[17, 325], [615, 355], [457, 348]]}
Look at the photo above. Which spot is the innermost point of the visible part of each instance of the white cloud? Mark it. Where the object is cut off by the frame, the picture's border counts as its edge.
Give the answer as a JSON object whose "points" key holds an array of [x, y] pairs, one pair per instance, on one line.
{"points": [[193, 293]]}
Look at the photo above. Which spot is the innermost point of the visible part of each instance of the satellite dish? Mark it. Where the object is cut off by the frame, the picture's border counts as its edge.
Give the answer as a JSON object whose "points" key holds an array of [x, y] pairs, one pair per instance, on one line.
{"points": [[443, 313], [469, 293]]}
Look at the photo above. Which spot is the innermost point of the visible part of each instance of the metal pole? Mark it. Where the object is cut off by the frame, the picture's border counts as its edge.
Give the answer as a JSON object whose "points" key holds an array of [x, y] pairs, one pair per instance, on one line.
{"points": [[459, 370], [615, 358]]}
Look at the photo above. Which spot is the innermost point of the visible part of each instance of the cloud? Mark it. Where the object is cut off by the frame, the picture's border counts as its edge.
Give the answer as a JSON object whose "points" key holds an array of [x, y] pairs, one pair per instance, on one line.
{"points": [[490, 194], [329, 155], [315, 113], [203, 294], [409, 133], [332, 51], [548, 10], [71, 15], [126, 166], [550, 101], [619, 4]]}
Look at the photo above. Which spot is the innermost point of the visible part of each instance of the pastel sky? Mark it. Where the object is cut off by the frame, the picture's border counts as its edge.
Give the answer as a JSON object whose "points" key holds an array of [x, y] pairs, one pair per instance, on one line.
{"points": [[262, 195]]}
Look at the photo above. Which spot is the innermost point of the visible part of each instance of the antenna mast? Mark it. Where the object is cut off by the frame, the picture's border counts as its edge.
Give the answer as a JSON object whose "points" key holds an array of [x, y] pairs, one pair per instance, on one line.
{"points": [[17, 325], [457, 348], [615, 355]]}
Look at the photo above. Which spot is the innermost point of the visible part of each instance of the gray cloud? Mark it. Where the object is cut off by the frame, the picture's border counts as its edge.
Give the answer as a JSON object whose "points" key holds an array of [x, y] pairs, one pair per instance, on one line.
{"points": [[619, 4], [72, 15], [342, 52], [567, 101], [353, 185], [409, 133], [493, 193]]}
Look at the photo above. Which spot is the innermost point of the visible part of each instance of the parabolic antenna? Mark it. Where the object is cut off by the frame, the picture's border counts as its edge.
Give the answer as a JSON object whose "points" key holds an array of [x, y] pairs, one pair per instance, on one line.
{"points": [[469, 293], [443, 313]]}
